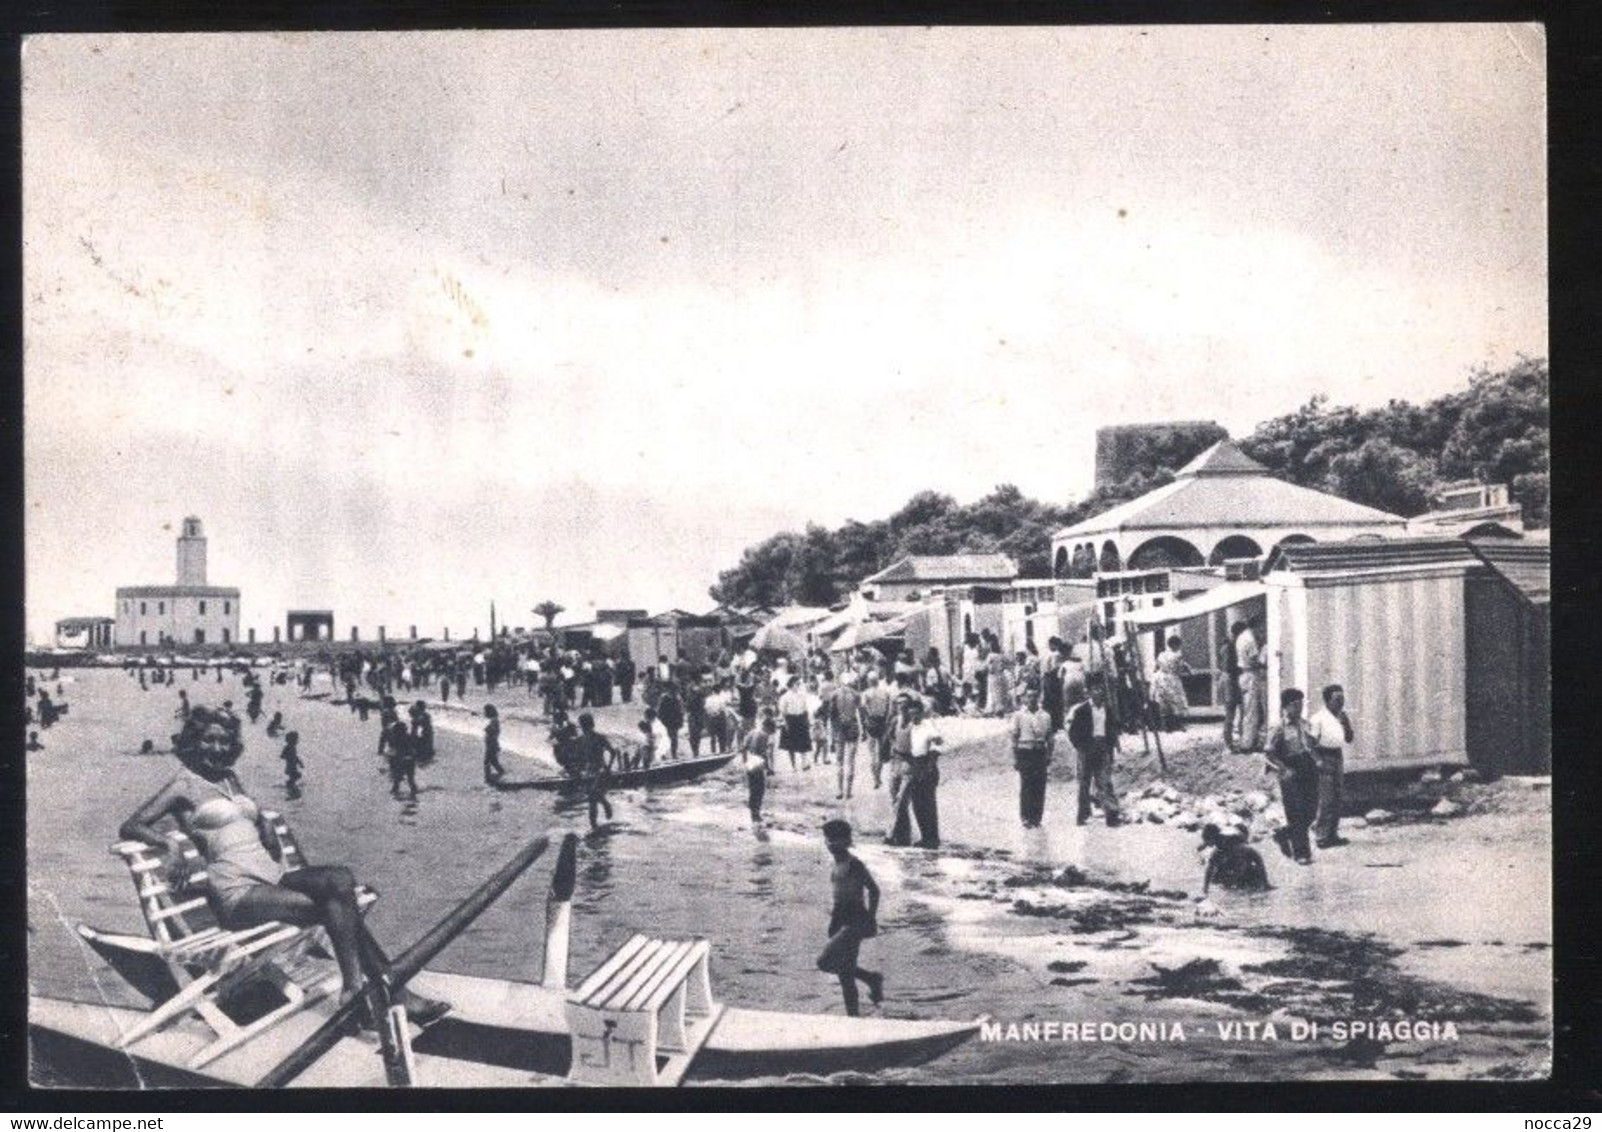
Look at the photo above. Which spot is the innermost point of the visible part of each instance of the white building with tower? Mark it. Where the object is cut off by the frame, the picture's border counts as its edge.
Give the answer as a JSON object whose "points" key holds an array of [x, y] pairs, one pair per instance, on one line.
{"points": [[188, 613]]}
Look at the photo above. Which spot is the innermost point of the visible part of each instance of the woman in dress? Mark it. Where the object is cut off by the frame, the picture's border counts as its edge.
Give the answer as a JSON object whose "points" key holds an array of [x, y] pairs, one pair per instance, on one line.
{"points": [[795, 738], [1168, 686], [245, 875]]}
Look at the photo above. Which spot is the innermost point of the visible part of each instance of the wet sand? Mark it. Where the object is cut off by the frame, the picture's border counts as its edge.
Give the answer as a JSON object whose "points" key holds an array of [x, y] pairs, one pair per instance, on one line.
{"points": [[1445, 921]]}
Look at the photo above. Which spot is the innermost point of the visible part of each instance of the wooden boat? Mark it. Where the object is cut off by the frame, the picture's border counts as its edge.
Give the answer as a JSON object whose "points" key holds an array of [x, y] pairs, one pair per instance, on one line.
{"points": [[499, 1033], [659, 774]]}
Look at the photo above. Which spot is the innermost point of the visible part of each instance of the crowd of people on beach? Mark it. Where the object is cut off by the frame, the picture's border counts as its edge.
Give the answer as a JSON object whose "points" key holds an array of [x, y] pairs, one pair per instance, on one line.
{"points": [[795, 713]]}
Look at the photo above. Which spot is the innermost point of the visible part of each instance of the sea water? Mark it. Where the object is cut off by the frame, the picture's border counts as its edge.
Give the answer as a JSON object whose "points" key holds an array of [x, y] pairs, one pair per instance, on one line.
{"points": [[983, 927]]}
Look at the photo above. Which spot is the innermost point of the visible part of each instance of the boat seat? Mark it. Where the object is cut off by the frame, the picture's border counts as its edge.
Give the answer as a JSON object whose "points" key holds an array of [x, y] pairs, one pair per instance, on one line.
{"points": [[642, 1015], [209, 963]]}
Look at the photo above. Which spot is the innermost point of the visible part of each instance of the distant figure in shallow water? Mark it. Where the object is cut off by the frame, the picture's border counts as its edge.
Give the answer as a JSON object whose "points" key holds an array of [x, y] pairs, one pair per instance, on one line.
{"points": [[493, 770], [35, 745], [275, 726], [292, 760]]}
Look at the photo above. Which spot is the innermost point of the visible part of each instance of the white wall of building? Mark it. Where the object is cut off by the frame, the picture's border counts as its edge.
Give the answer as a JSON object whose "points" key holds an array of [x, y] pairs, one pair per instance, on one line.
{"points": [[170, 616]]}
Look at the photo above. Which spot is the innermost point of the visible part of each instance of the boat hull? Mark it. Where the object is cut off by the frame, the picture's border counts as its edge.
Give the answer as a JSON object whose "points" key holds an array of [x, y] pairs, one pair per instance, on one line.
{"points": [[662, 774], [499, 1034]]}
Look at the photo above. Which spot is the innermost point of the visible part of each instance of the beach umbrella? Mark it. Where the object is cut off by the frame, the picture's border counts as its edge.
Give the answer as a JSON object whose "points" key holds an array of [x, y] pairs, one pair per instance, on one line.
{"points": [[868, 633], [798, 616], [776, 638]]}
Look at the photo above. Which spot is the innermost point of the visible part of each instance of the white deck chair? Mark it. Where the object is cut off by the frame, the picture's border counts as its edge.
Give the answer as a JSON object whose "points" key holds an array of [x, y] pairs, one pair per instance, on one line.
{"points": [[209, 963]]}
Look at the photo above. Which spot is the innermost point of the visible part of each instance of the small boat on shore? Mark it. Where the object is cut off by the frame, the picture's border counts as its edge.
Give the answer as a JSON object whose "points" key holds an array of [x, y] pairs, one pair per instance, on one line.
{"points": [[658, 774], [644, 1017]]}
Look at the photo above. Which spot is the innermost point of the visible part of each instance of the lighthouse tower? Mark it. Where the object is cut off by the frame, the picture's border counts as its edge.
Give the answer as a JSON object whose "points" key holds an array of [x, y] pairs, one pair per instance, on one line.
{"points": [[192, 554]]}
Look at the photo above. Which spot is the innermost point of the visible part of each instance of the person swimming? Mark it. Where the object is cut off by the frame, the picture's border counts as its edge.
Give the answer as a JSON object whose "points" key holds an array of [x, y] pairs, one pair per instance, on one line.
{"points": [[247, 882], [1232, 864]]}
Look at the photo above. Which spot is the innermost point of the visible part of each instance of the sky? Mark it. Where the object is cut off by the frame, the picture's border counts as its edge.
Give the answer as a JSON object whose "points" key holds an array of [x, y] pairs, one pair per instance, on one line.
{"points": [[418, 321]]}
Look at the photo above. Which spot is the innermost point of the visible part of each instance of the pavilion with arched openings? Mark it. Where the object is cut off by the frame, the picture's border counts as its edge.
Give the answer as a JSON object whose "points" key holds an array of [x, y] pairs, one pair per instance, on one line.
{"points": [[1222, 505]]}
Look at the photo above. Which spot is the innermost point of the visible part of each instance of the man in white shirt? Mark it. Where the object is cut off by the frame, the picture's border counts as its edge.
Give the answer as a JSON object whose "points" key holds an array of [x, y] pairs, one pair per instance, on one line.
{"points": [[1330, 729], [1031, 755]]}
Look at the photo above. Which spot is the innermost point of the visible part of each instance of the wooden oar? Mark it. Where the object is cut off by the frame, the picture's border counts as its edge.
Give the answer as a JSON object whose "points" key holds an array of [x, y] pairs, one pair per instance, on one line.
{"points": [[401, 970]]}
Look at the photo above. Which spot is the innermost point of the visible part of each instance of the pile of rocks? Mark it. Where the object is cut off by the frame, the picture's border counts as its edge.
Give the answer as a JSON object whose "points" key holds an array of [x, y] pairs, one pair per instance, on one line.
{"points": [[1252, 812]]}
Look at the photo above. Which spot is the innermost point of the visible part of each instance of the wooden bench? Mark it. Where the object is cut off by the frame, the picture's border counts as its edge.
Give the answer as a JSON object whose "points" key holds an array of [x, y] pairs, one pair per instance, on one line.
{"points": [[643, 1015]]}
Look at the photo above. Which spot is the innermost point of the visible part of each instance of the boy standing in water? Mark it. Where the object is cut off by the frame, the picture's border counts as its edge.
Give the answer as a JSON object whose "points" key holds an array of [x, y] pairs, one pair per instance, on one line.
{"points": [[853, 918], [594, 757], [402, 760], [291, 757], [493, 770], [758, 761]]}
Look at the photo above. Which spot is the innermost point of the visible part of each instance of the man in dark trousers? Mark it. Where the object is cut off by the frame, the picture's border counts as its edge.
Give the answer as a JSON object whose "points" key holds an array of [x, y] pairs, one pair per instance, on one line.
{"points": [[625, 678], [1094, 736], [493, 770], [670, 710], [1290, 756], [388, 717], [1331, 731], [695, 714], [1031, 754], [1051, 684], [422, 733], [1229, 679]]}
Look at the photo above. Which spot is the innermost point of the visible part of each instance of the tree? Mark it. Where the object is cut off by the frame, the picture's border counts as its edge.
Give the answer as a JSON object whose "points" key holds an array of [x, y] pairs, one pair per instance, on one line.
{"points": [[1394, 457], [1379, 474], [759, 578], [548, 610]]}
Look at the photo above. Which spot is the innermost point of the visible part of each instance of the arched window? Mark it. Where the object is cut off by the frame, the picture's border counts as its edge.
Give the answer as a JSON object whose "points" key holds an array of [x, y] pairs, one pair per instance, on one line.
{"points": [[1059, 564], [1235, 546], [1110, 561], [1166, 550]]}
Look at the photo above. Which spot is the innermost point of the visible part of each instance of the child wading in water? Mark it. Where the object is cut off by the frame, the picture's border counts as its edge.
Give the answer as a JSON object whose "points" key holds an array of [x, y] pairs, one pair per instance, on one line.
{"points": [[758, 760], [853, 919], [493, 770], [291, 757]]}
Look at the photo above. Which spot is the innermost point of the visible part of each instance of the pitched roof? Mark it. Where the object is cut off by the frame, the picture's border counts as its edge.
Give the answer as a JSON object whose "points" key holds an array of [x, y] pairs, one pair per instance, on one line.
{"points": [[1527, 566], [1222, 459], [948, 568], [1351, 555], [1224, 487]]}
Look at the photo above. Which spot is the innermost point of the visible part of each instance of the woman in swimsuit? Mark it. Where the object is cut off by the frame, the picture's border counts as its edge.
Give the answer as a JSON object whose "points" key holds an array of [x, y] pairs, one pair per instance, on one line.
{"points": [[247, 881]]}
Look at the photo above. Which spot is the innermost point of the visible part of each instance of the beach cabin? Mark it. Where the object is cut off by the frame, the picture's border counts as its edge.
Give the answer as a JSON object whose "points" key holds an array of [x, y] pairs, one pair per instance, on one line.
{"points": [[650, 639], [1509, 689], [1441, 644], [918, 575]]}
